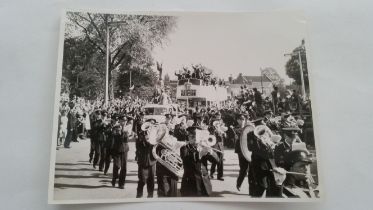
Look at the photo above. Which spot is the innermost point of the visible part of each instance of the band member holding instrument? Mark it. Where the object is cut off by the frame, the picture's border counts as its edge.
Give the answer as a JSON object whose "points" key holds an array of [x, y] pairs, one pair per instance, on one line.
{"points": [[112, 127], [166, 180], [285, 146], [243, 163], [139, 134], [93, 134], [180, 130], [119, 152], [100, 127], [298, 180], [169, 123], [196, 181], [220, 135], [261, 177], [146, 163]]}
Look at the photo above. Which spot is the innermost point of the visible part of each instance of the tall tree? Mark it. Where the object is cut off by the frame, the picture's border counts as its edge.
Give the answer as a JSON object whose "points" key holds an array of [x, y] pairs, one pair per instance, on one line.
{"points": [[131, 38], [293, 66]]}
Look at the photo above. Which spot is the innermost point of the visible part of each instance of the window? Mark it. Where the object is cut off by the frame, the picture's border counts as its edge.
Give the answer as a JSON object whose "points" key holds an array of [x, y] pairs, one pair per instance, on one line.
{"points": [[155, 111]]}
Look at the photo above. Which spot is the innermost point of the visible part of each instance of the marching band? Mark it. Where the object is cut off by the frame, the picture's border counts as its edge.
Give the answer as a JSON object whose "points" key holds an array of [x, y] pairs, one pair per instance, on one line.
{"points": [[189, 147]]}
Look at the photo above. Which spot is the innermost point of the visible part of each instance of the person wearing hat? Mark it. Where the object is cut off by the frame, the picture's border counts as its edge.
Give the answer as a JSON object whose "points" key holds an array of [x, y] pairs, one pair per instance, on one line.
{"points": [[120, 152], [146, 163], [196, 180], [100, 126], [285, 146], [166, 179], [219, 135], [92, 135], [180, 132], [111, 131], [262, 161], [296, 176], [258, 101], [242, 162], [198, 120], [169, 124]]}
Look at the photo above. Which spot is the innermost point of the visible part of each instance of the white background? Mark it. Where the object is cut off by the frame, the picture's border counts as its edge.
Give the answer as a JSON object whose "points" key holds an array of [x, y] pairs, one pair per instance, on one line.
{"points": [[341, 42]]}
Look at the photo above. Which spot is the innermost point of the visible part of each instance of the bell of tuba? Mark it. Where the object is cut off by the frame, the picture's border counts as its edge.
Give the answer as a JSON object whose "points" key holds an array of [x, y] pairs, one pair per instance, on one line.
{"points": [[266, 136], [243, 142]]}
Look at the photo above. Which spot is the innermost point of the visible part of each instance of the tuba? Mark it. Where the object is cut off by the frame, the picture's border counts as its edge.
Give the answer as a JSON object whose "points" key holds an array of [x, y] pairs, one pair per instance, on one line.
{"points": [[266, 136], [154, 132], [243, 141], [166, 150]]}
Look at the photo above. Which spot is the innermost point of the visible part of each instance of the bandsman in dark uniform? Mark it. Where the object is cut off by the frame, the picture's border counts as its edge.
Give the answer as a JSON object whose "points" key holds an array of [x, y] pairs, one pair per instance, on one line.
{"points": [[180, 131], [297, 178], [96, 125], [169, 123], [285, 146], [243, 163], [120, 152], [196, 181], [92, 135], [262, 162], [219, 135], [100, 126], [166, 180], [146, 163], [109, 143]]}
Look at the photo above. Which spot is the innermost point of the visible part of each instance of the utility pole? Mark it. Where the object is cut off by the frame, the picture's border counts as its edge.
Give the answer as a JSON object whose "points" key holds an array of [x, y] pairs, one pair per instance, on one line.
{"points": [[301, 75], [298, 53], [108, 56], [107, 63]]}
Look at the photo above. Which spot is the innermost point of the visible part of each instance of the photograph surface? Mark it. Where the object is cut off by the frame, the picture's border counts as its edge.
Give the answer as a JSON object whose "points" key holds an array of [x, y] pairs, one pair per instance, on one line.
{"points": [[183, 107]]}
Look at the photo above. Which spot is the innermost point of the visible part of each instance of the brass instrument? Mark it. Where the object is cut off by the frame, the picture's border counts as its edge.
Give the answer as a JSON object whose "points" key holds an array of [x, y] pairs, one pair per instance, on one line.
{"points": [[243, 141], [266, 136], [220, 127], [204, 139], [169, 155], [154, 134]]}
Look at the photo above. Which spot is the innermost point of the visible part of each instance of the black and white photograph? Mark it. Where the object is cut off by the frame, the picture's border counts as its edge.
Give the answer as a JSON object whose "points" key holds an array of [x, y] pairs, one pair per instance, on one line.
{"points": [[184, 106]]}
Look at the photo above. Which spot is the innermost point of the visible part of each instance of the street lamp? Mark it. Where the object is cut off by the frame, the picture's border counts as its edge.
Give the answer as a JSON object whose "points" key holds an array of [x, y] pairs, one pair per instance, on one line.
{"points": [[298, 53]]}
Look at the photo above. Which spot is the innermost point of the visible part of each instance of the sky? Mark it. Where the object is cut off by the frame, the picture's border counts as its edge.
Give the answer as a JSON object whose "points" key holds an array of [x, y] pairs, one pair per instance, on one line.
{"points": [[232, 43]]}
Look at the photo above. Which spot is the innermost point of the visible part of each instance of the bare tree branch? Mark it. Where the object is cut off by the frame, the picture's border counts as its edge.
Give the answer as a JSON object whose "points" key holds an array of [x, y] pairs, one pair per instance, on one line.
{"points": [[98, 30], [88, 37]]}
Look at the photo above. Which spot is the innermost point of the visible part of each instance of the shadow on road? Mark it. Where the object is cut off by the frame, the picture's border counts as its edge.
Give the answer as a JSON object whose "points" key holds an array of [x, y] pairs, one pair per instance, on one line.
{"points": [[64, 186], [72, 164], [220, 194], [75, 169]]}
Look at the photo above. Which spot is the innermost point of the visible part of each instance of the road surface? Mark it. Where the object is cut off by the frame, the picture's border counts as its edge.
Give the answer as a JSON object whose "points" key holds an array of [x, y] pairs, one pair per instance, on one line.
{"points": [[76, 179]]}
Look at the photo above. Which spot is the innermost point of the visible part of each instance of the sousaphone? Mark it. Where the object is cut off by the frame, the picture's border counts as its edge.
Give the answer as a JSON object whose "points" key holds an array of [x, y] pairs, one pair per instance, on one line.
{"points": [[243, 141]]}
